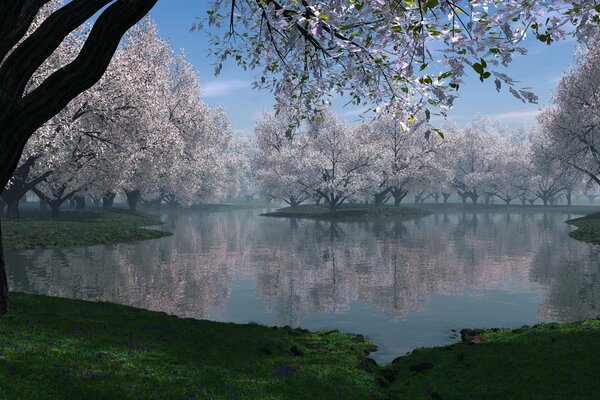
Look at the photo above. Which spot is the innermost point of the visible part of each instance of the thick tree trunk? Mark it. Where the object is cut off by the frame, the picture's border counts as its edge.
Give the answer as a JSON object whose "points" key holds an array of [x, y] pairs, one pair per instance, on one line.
{"points": [[80, 202], [474, 198], [108, 200], [4, 296], [12, 211], [446, 196], [133, 197], [55, 210], [22, 114]]}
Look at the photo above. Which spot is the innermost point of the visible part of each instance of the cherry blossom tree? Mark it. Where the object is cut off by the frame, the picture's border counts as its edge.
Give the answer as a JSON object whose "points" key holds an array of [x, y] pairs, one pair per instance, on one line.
{"points": [[373, 50], [408, 155], [572, 124], [339, 160], [381, 50], [473, 147]]}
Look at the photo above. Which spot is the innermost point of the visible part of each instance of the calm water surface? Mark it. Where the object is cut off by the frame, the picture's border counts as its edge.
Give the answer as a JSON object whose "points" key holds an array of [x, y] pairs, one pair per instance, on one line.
{"points": [[405, 284]]}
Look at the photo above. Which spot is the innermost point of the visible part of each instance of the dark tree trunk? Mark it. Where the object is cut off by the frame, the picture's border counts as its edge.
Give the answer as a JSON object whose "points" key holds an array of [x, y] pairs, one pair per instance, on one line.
{"points": [[12, 210], [79, 202], [133, 197], [97, 201], [568, 196], [22, 114], [108, 200], [381, 198], [399, 195], [446, 196], [4, 296], [55, 210], [474, 198], [523, 200]]}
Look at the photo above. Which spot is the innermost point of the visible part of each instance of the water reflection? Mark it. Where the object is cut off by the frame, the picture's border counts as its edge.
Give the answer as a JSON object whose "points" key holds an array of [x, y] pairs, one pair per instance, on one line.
{"points": [[383, 278]]}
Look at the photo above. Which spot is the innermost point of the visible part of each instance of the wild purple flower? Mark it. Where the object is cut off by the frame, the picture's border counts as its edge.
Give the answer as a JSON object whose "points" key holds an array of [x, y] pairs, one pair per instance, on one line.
{"points": [[283, 371]]}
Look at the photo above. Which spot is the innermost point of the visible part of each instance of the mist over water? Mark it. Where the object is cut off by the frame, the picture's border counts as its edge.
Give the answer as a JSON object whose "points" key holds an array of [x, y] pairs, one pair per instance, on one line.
{"points": [[404, 284]]}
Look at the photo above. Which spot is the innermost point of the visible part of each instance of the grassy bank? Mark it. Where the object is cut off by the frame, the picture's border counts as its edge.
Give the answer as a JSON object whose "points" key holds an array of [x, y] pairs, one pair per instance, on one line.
{"points": [[53, 348], [77, 228], [348, 212], [546, 361], [58, 348], [588, 228]]}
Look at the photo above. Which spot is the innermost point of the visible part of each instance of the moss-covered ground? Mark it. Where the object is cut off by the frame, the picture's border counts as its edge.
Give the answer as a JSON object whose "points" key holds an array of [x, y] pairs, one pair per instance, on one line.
{"points": [[37, 229], [588, 228], [53, 348], [348, 212], [546, 361]]}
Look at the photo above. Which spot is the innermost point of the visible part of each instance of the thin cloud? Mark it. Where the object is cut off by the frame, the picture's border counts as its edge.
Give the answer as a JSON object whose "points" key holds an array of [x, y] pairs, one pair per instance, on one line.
{"points": [[516, 116], [223, 87]]}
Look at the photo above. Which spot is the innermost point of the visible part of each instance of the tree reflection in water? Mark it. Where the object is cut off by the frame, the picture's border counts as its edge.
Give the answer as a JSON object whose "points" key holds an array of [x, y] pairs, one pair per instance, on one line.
{"points": [[300, 268]]}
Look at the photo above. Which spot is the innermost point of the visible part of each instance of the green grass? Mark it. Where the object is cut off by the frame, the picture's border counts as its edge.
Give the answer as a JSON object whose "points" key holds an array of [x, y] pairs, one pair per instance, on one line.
{"points": [[546, 361], [348, 212], [53, 348], [37, 229], [588, 228]]}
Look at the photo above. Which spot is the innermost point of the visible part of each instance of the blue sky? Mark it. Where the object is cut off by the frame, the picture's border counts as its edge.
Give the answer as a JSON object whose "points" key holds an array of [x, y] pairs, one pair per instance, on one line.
{"points": [[541, 69]]}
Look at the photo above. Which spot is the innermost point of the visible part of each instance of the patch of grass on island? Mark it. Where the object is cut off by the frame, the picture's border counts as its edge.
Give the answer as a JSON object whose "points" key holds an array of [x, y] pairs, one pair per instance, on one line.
{"points": [[53, 348], [348, 212], [37, 229], [545, 361], [588, 228]]}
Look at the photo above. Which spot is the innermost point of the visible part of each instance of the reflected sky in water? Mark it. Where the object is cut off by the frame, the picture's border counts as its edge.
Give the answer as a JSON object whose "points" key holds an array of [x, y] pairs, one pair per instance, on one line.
{"points": [[405, 284]]}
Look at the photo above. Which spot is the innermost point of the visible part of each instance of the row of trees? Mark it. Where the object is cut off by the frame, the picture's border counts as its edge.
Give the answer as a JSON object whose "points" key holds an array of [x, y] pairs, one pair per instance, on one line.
{"points": [[394, 156], [142, 130]]}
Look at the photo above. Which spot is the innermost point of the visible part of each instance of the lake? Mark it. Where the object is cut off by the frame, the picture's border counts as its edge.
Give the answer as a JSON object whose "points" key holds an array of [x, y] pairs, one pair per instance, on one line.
{"points": [[403, 283]]}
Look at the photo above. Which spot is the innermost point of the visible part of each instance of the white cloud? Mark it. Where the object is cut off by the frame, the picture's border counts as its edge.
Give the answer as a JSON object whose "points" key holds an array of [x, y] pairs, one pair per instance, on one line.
{"points": [[516, 116], [223, 87]]}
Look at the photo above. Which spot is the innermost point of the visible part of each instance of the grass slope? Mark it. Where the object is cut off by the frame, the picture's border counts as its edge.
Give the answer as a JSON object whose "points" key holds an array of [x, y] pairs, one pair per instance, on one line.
{"points": [[77, 228], [53, 348], [589, 228], [546, 361], [59, 348], [348, 212]]}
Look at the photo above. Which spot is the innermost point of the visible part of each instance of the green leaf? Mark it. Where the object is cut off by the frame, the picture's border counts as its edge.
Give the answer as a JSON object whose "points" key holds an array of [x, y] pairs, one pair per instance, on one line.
{"points": [[478, 68]]}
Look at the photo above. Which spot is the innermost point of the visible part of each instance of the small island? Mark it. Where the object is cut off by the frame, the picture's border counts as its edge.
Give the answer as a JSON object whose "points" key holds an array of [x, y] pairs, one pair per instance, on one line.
{"points": [[348, 212]]}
